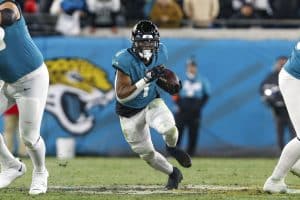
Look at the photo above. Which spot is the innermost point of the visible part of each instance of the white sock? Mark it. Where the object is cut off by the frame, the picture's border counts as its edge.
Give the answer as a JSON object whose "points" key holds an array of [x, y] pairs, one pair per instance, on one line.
{"points": [[7, 160], [37, 155], [289, 156], [160, 163]]}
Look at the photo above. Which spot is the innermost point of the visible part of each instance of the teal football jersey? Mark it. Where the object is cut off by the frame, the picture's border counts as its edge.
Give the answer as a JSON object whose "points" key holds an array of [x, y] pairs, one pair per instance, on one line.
{"points": [[20, 55], [129, 63], [292, 66]]}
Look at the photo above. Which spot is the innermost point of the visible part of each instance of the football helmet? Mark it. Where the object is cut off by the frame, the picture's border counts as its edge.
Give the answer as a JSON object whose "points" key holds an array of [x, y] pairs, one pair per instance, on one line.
{"points": [[145, 39]]}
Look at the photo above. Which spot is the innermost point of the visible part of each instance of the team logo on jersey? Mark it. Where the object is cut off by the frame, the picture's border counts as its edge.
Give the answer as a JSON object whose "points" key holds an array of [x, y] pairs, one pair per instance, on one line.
{"points": [[76, 87]]}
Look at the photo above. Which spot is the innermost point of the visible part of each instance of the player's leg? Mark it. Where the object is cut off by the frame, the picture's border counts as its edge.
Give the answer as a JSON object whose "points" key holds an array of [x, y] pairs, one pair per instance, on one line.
{"points": [[11, 168], [29, 124], [180, 124], [291, 128], [9, 130], [193, 135], [279, 124], [31, 102], [296, 167], [290, 89], [22, 151], [137, 134], [159, 117]]}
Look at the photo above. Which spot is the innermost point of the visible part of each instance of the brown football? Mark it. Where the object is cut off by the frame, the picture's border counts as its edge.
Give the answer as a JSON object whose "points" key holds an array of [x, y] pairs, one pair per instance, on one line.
{"points": [[169, 82]]}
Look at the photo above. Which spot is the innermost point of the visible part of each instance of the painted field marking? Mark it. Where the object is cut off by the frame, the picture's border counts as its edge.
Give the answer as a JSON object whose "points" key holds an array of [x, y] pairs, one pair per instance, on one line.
{"points": [[145, 189], [293, 191]]}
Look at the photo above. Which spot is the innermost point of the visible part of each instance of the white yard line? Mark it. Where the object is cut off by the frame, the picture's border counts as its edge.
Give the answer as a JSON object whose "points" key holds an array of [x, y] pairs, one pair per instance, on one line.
{"points": [[145, 189], [293, 191]]}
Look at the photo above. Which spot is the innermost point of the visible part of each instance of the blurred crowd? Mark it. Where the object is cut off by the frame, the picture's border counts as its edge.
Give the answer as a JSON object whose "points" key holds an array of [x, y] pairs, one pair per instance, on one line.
{"points": [[165, 13]]}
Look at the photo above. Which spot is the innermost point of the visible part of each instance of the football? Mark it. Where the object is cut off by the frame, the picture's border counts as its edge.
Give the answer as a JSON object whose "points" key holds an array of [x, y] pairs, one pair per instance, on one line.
{"points": [[169, 82]]}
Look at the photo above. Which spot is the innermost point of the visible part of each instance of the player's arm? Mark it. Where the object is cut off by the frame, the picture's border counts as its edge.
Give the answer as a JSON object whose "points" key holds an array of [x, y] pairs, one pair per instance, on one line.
{"points": [[126, 90], [124, 87], [9, 13]]}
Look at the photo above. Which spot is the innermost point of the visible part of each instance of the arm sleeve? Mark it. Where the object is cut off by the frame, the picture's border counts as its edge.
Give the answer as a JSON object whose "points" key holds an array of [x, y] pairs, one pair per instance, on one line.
{"points": [[163, 53], [119, 62]]}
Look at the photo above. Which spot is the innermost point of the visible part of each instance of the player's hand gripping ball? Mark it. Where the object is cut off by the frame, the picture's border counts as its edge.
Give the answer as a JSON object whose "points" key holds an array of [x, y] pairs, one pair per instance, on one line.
{"points": [[169, 82]]}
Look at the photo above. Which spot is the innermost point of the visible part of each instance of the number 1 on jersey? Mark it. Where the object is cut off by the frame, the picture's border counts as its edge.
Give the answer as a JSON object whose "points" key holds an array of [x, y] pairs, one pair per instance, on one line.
{"points": [[146, 91]]}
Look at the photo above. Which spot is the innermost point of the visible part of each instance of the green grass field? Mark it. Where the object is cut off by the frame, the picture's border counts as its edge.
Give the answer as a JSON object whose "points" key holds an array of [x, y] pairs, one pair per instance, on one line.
{"points": [[131, 178]]}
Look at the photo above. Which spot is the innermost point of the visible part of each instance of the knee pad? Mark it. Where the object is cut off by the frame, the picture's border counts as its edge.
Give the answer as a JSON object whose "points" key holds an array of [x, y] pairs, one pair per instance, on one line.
{"points": [[167, 127], [172, 132], [30, 138], [159, 116], [164, 123], [171, 136], [29, 120]]}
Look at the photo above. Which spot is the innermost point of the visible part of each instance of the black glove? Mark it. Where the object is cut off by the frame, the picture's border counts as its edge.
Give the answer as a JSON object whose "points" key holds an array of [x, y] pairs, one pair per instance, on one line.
{"points": [[154, 73]]}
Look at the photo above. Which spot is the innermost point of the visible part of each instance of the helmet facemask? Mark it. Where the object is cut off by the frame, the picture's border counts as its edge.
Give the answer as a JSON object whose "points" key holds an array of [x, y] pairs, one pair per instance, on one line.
{"points": [[145, 40], [145, 47]]}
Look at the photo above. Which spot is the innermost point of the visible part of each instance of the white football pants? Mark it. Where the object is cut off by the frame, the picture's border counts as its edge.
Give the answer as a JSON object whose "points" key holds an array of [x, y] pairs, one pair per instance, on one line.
{"points": [[30, 94], [290, 89], [136, 130]]}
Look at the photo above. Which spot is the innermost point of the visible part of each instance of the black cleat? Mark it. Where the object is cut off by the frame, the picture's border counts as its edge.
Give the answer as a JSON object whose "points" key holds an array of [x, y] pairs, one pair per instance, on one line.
{"points": [[174, 179], [182, 157]]}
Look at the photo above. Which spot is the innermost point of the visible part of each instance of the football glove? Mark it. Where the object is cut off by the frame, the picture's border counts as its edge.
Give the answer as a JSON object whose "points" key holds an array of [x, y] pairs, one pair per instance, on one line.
{"points": [[154, 73]]}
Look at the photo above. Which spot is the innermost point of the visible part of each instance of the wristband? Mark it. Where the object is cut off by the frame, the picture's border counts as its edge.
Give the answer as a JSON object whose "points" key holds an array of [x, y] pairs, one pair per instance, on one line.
{"points": [[141, 84]]}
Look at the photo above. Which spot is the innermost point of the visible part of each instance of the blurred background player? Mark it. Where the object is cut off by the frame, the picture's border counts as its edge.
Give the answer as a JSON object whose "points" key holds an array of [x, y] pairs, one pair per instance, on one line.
{"points": [[11, 130], [289, 85], [139, 105], [269, 90], [195, 91], [26, 82]]}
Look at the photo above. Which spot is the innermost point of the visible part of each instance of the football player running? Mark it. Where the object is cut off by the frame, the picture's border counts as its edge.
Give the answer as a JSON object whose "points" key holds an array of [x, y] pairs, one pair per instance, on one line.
{"points": [[138, 103], [25, 82], [289, 84]]}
